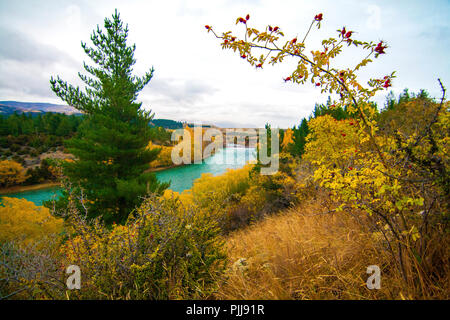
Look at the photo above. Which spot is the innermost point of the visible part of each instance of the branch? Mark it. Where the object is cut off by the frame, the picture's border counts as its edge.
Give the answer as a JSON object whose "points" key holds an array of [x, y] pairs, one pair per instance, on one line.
{"points": [[305, 59]]}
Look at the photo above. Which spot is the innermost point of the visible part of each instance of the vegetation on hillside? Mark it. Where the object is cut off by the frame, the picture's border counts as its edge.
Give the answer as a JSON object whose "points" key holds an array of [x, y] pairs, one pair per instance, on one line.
{"points": [[24, 137]]}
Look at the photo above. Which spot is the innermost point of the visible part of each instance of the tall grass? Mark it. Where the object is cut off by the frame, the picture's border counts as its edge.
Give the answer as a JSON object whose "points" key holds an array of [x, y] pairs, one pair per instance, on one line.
{"points": [[311, 253]]}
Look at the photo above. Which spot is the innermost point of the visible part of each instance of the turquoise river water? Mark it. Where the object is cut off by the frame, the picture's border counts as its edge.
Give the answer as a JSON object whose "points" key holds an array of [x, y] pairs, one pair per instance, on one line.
{"points": [[181, 178]]}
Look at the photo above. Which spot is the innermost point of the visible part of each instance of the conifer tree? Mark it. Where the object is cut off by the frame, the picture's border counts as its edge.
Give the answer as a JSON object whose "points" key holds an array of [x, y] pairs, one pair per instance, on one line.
{"points": [[111, 145], [300, 133]]}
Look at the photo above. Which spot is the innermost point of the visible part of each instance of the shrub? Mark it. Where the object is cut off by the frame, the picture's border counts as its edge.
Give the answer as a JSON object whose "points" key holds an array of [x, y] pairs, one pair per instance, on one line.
{"points": [[45, 172], [241, 196], [14, 147], [403, 191], [22, 221], [309, 253], [164, 158], [11, 173], [164, 251]]}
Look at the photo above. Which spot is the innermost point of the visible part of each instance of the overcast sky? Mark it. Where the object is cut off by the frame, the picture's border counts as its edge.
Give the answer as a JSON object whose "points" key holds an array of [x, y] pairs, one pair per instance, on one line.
{"points": [[195, 80]]}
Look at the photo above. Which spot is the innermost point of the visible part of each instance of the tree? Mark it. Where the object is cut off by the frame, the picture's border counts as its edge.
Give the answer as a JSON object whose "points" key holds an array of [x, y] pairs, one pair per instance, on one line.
{"points": [[399, 179], [300, 133], [13, 124], [111, 146], [63, 127], [3, 126], [11, 173], [23, 221], [288, 139]]}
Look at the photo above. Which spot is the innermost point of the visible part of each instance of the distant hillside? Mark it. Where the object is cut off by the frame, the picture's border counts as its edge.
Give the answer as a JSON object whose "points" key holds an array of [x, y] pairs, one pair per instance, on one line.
{"points": [[172, 124], [9, 107], [166, 123]]}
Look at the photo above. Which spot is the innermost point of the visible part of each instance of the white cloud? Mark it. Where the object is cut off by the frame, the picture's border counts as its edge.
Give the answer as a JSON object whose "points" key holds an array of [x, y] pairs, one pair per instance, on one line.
{"points": [[197, 81]]}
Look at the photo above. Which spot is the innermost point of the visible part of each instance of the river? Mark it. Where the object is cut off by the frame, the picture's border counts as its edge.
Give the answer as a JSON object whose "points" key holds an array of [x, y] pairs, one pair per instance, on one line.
{"points": [[181, 178]]}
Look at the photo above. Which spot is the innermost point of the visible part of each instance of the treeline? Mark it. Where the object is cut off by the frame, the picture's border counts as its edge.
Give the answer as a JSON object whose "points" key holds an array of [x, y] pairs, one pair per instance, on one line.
{"points": [[386, 114], [56, 124], [166, 123], [62, 125], [29, 135], [160, 136]]}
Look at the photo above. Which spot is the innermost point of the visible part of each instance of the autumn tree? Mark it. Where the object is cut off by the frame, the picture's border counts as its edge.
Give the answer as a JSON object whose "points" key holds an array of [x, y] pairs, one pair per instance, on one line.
{"points": [[400, 179], [24, 222], [111, 146], [11, 173]]}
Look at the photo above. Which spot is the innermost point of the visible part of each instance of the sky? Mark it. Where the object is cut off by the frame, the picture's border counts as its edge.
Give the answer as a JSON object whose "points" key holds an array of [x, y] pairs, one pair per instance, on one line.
{"points": [[194, 79]]}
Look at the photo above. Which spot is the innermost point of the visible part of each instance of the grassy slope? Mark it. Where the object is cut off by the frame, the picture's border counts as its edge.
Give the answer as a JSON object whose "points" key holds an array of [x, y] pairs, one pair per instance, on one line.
{"points": [[308, 253]]}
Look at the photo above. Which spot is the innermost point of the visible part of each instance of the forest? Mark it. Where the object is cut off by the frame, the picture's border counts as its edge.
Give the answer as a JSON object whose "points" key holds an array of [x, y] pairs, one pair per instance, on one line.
{"points": [[26, 136]]}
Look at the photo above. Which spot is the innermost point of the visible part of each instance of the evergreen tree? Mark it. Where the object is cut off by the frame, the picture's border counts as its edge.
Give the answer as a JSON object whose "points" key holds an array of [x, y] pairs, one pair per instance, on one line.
{"points": [[111, 145], [404, 96], [3, 126], [390, 101], [64, 127], [300, 133], [13, 124]]}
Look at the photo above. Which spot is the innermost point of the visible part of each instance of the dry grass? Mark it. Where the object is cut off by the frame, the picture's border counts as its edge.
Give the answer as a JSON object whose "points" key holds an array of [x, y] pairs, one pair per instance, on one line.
{"points": [[305, 254]]}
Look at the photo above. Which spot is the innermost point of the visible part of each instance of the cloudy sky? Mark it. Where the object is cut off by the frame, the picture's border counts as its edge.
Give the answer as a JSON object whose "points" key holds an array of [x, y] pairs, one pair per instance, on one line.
{"points": [[195, 80]]}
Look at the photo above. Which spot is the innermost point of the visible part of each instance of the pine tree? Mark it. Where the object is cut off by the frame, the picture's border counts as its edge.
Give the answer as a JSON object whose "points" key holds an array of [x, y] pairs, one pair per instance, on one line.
{"points": [[298, 147], [63, 128], [111, 145]]}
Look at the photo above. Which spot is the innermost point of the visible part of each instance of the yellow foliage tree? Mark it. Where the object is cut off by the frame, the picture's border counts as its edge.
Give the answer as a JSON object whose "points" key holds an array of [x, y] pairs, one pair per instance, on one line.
{"points": [[164, 158], [11, 173], [332, 142], [288, 138], [24, 222], [216, 196], [399, 178], [212, 192]]}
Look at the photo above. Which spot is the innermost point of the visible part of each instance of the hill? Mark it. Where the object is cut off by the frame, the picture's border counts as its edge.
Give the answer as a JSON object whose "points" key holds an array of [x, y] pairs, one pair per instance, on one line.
{"points": [[172, 124], [166, 123], [9, 107]]}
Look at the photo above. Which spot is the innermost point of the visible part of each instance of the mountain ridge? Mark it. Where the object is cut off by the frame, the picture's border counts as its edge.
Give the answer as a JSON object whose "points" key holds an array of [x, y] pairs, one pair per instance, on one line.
{"points": [[8, 107], [11, 106]]}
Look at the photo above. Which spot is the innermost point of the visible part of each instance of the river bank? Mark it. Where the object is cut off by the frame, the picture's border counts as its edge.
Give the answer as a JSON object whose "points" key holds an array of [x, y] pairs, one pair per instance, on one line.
{"points": [[49, 184], [46, 185], [164, 168], [33, 187], [181, 177]]}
